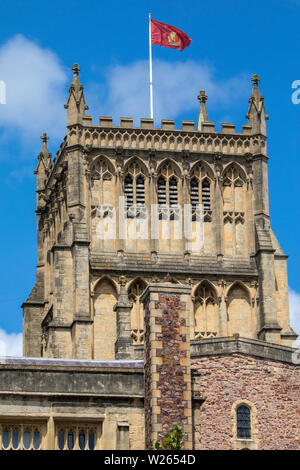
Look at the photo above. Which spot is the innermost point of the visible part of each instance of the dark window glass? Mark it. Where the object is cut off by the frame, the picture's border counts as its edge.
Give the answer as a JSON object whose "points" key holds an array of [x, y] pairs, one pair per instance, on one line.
{"points": [[70, 440], [26, 439], [82, 440], [243, 419], [91, 440], [36, 439], [61, 440], [5, 438], [15, 438]]}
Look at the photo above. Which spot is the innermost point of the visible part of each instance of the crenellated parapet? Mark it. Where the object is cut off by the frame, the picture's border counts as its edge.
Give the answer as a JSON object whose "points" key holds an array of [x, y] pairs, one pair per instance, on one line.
{"points": [[169, 139]]}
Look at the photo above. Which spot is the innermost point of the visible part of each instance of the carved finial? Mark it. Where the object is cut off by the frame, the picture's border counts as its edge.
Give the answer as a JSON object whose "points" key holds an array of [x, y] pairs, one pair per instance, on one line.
{"points": [[76, 69], [255, 80], [202, 115], [76, 104], [44, 138], [202, 97], [256, 112]]}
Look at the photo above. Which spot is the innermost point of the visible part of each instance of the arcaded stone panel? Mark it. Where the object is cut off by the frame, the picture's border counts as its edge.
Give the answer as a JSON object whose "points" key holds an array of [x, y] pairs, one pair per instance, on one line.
{"points": [[271, 388]]}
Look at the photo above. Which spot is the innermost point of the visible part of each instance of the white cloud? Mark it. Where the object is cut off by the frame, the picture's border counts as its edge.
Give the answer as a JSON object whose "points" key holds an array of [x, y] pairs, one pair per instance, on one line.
{"points": [[35, 89], [10, 344], [176, 86], [294, 301]]}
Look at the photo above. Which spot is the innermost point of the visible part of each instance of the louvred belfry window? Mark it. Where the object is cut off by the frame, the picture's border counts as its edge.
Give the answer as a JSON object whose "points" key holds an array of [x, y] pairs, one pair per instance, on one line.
{"points": [[206, 194], [134, 188], [243, 421], [167, 186], [173, 193], [161, 195], [200, 191], [128, 191], [140, 190], [194, 193]]}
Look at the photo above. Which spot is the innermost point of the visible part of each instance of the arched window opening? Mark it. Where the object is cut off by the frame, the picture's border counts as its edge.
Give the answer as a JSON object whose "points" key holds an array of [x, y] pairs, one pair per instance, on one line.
{"points": [[161, 192], [134, 188], [206, 312], [194, 193], [173, 193], [206, 194], [137, 314], [128, 191], [243, 422], [140, 191]]}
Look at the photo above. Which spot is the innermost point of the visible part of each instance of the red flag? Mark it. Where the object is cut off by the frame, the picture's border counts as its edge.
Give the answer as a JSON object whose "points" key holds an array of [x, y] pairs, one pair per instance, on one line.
{"points": [[168, 36]]}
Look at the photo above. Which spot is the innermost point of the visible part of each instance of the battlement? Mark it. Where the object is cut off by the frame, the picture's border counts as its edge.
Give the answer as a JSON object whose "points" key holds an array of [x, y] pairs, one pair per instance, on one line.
{"points": [[147, 137], [166, 125]]}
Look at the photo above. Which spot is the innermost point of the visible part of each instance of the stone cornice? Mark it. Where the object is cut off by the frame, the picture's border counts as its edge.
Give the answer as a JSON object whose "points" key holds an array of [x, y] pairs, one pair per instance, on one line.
{"points": [[244, 346]]}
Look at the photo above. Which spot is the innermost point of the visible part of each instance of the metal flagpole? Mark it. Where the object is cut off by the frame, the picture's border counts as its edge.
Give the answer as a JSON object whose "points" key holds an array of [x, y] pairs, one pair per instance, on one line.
{"points": [[150, 66]]}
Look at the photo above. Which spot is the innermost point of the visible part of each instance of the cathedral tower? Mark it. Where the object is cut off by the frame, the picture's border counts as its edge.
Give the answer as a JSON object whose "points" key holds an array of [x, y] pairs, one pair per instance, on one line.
{"points": [[113, 209]]}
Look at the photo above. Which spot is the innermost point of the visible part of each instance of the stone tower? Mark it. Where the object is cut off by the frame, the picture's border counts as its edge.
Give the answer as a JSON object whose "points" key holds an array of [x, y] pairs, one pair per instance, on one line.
{"points": [[98, 247]]}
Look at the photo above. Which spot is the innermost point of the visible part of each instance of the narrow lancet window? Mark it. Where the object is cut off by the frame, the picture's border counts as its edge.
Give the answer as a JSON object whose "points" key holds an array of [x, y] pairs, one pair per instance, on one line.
{"points": [[140, 191], [128, 191], [161, 193], [194, 193], [206, 194], [173, 193], [243, 422]]}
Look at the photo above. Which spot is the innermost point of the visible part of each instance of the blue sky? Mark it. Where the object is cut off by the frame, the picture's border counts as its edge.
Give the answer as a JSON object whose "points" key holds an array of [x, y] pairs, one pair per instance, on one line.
{"points": [[40, 41]]}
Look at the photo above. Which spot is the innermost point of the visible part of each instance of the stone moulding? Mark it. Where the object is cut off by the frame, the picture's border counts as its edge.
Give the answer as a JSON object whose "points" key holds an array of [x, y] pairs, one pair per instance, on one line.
{"points": [[245, 346], [161, 139]]}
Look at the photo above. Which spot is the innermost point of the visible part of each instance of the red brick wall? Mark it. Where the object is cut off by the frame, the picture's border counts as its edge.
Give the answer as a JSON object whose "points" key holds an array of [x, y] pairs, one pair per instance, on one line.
{"points": [[171, 372], [272, 387], [148, 364], [167, 364]]}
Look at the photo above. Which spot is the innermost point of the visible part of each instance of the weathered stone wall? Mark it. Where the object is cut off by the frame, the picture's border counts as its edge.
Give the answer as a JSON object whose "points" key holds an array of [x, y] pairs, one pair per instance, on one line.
{"points": [[54, 393], [270, 388]]}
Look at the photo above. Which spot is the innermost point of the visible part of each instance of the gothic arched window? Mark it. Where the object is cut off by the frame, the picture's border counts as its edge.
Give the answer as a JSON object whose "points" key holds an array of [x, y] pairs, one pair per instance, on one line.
{"points": [[101, 169], [167, 185], [243, 422], [206, 311], [128, 191], [134, 187], [200, 190], [194, 193], [173, 193], [206, 194], [161, 193], [140, 191]]}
